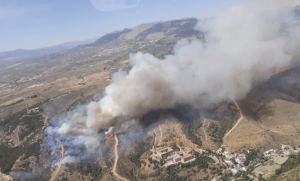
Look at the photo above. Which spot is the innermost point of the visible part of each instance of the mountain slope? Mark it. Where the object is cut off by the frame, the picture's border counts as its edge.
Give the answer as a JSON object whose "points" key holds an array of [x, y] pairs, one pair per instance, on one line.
{"points": [[21, 54]]}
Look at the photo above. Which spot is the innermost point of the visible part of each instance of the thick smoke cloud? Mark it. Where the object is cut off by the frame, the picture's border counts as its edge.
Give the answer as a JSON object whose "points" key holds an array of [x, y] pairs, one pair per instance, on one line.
{"points": [[243, 46]]}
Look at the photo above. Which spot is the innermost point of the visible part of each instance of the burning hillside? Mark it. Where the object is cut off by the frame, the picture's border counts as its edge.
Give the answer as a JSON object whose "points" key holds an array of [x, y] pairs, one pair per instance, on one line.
{"points": [[243, 46]]}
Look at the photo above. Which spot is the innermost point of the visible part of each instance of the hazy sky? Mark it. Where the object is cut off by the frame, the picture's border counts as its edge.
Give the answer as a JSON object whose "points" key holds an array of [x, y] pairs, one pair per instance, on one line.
{"points": [[30, 24]]}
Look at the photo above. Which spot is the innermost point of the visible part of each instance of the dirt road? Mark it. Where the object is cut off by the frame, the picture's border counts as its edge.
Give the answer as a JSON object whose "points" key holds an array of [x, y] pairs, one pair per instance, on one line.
{"points": [[238, 122], [62, 151], [203, 127], [114, 170], [155, 140]]}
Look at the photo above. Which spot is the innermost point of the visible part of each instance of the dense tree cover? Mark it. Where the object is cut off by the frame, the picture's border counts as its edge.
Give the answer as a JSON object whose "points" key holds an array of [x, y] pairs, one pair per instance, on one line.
{"points": [[9, 156], [201, 162], [250, 156], [151, 175], [33, 96], [87, 167], [175, 147], [218, 131], [12, 121], [14, 103], [242, 175], [32, 124], [140, 149], [190, 129], [172, 172], [292, 162]]}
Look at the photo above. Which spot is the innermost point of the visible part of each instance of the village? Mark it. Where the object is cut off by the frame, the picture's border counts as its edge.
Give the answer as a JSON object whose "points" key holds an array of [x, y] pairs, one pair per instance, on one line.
{"points": [[266, 167], [233, 161]]}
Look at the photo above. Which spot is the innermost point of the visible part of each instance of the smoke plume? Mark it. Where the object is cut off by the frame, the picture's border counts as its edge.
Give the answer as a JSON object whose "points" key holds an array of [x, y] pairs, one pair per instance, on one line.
{"points": [[243, 46]]}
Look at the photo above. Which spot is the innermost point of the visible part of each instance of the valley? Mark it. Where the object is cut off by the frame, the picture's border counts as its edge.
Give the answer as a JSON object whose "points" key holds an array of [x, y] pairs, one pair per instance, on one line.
{"points": [[230, 140]]}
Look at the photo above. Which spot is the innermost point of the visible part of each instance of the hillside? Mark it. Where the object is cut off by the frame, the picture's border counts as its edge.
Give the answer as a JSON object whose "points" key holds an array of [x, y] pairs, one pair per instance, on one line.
{"points": [[56, 83], [11, 57], [272, 113], [35, 91]]}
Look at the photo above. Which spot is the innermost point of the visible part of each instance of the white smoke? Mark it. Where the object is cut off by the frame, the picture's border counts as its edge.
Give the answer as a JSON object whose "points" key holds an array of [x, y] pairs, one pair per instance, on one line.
{"points": [[244, 44], [110, 130]]}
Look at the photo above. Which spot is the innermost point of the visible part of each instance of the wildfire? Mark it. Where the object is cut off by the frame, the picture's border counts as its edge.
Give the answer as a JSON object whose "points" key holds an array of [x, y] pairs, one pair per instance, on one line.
{"points": [[111, 135]]}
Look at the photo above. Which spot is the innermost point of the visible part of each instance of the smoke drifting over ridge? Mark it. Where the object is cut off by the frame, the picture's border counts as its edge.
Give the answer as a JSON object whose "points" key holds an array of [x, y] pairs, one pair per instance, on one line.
{"points": [[244, 44]]}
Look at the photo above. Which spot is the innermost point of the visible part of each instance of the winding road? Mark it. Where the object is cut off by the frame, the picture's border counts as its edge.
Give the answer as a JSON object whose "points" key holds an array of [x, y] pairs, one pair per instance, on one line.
{"points": [[238, 122], [161, 135], [114, 170], [155, 140], [62, 151]]}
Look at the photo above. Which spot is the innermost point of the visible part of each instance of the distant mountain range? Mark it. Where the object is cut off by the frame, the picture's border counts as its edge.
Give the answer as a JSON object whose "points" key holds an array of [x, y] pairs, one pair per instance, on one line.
{"points": [[146, 32], [22, 54]]}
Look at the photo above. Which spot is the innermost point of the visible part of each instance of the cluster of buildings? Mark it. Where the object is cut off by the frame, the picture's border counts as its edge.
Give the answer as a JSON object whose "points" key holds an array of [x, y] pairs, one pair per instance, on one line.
{"points": [[171, 157], [235, 161], [285, 150]]}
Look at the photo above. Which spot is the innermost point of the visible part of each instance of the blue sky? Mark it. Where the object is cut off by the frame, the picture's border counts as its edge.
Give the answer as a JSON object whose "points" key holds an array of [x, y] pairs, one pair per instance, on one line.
{"points": [[31, 24]]}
